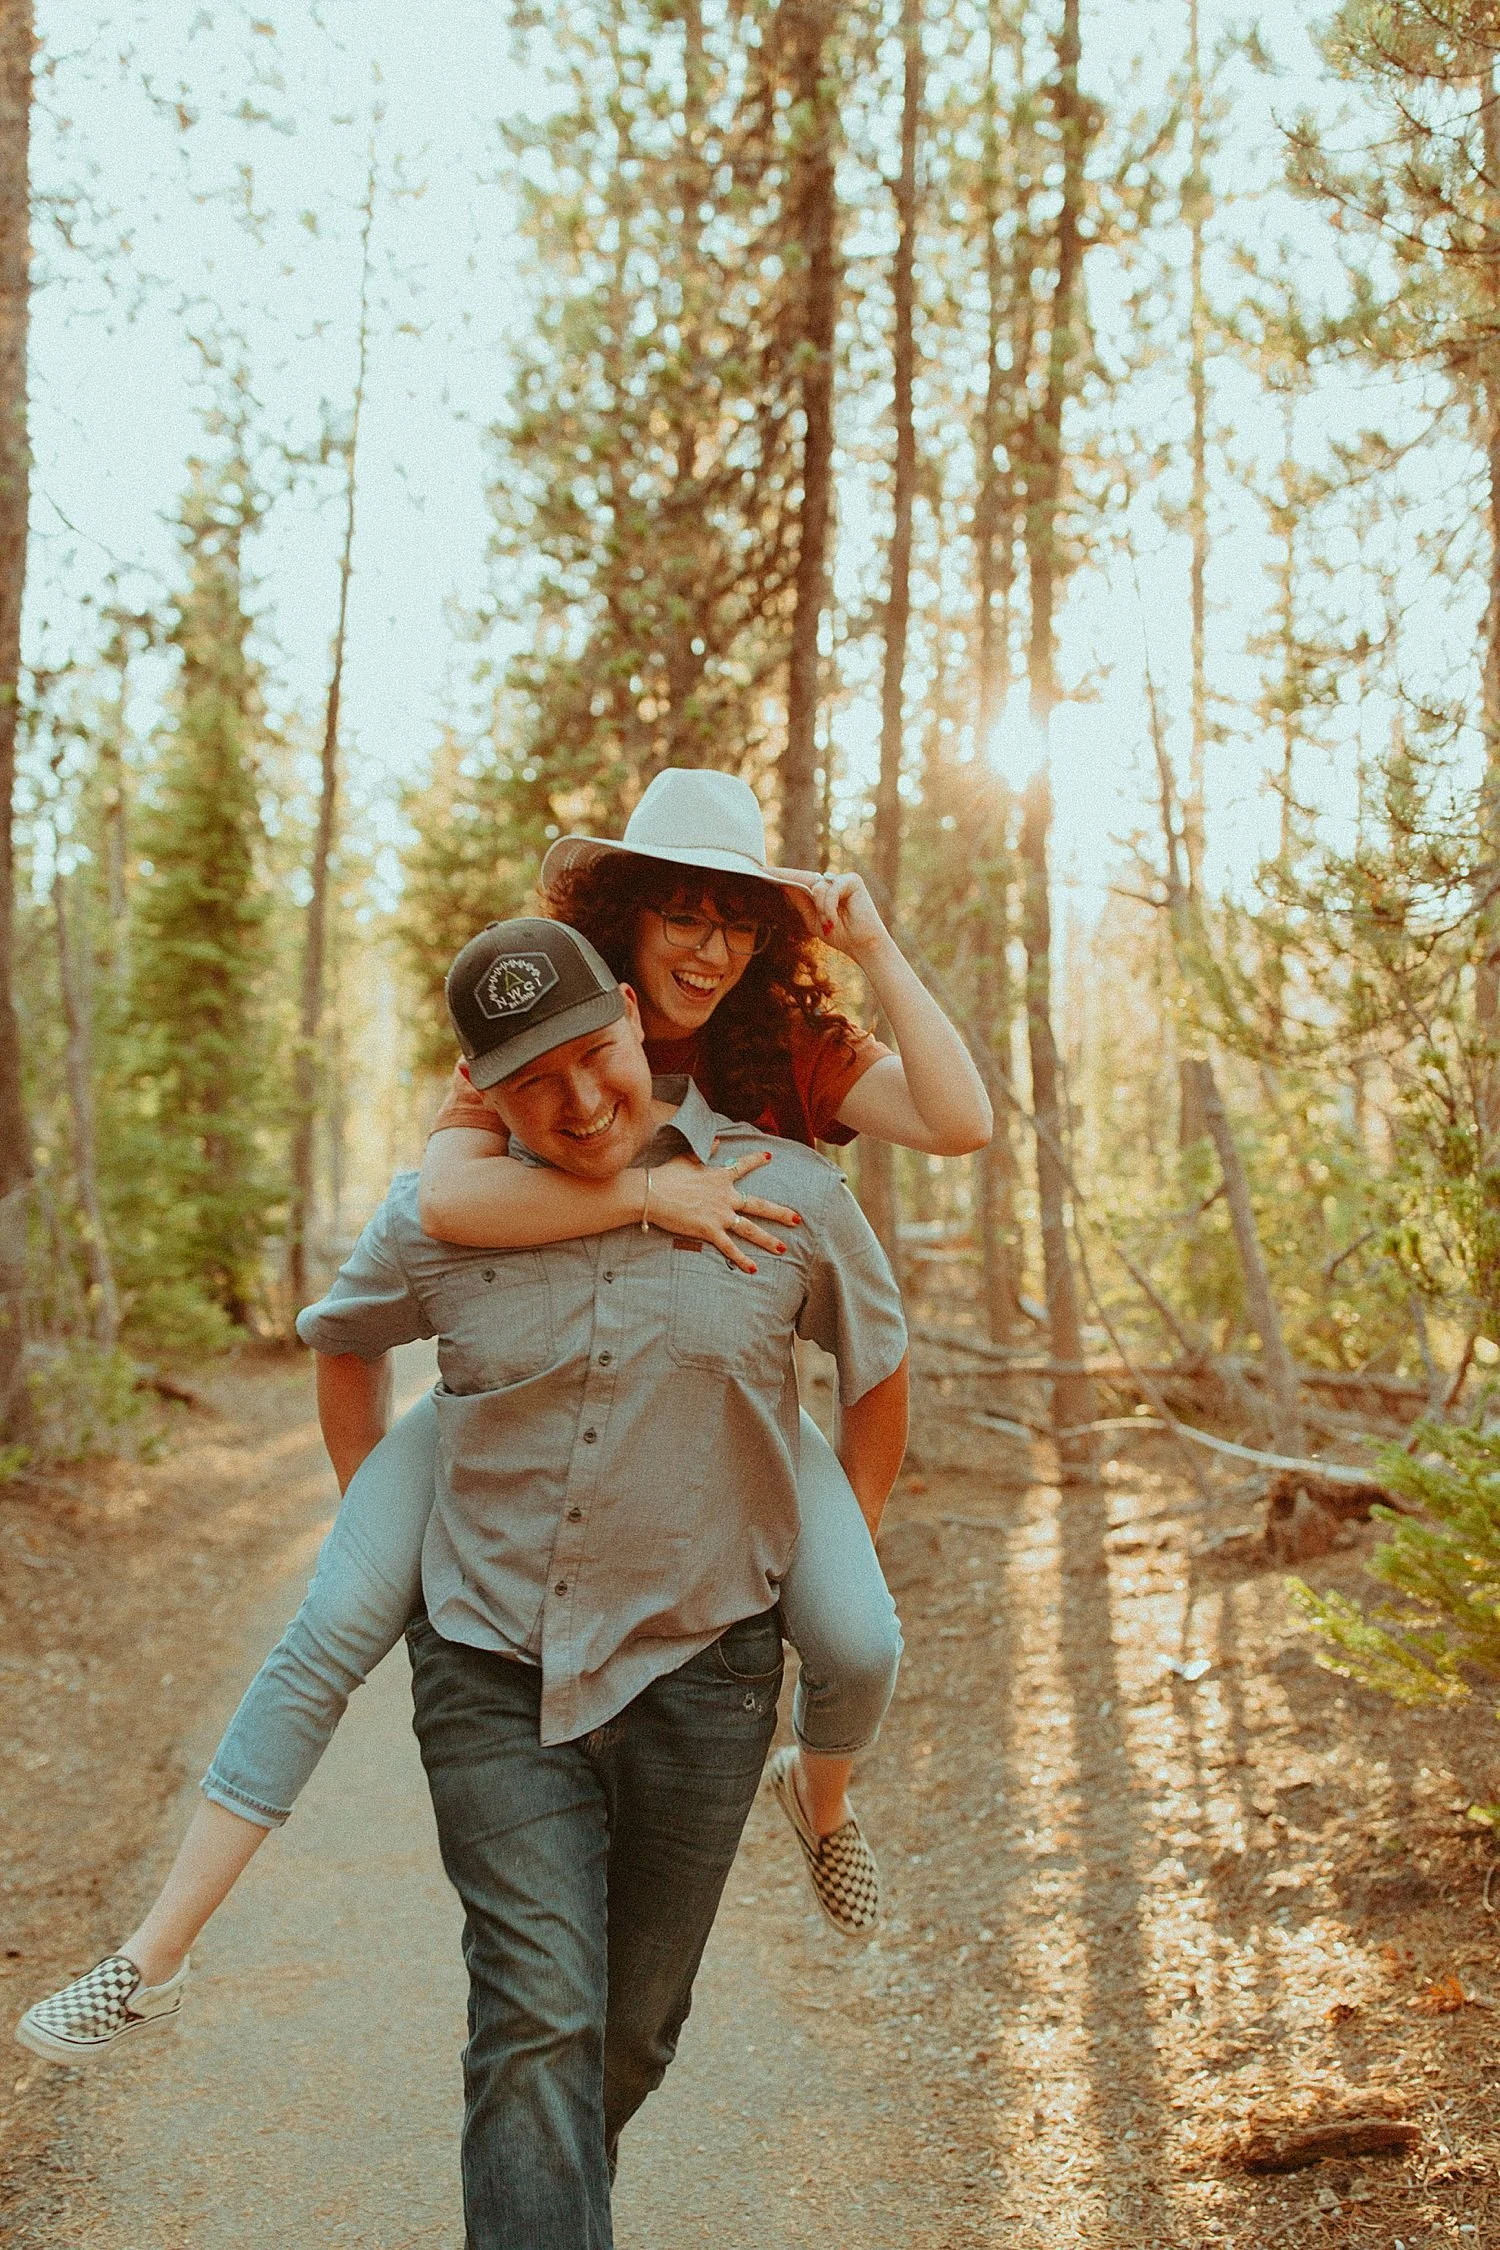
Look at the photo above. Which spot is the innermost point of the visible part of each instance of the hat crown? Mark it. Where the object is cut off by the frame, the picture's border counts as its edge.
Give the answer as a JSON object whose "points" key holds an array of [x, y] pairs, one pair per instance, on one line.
{"points": [[695, 807]]}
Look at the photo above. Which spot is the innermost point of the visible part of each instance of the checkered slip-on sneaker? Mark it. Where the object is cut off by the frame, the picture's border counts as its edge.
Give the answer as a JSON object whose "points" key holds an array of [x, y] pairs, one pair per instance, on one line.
{"points": [[845, 1879], [79, 2023]]}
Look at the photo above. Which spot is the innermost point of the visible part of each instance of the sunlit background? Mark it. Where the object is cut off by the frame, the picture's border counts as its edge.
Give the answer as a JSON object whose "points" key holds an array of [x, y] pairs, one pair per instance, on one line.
{"points": [[179, 216]]}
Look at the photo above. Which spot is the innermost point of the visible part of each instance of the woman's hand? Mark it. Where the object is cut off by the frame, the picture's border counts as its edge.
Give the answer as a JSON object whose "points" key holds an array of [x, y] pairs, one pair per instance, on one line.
{"points": [[840, 910], [707, 1202]]}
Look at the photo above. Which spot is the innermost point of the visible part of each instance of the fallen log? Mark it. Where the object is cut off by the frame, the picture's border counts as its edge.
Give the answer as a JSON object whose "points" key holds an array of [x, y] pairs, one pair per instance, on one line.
{"points": [[1291, 2148], [1022, 1362], [1336, 1472]]}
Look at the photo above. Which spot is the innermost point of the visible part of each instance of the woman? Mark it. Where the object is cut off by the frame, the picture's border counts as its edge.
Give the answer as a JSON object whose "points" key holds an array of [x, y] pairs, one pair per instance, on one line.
{"points": [[720, 950]]}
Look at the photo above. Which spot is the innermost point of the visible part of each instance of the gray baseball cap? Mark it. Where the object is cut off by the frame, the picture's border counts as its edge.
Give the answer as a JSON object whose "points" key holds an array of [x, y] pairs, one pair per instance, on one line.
{"points": [[523, 987]]}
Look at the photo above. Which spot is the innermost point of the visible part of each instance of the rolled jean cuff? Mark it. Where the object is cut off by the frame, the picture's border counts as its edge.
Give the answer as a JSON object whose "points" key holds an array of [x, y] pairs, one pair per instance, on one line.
{"points": [[221, 1792]]}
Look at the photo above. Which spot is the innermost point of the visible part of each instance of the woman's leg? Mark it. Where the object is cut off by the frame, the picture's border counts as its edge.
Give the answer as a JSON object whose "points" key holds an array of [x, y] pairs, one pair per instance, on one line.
{"points": [[839, 1616], [366, 1587]]}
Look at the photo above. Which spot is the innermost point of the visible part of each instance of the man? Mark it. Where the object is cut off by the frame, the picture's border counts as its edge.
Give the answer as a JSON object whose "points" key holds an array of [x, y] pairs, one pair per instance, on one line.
{"points": [[596, 1676]]}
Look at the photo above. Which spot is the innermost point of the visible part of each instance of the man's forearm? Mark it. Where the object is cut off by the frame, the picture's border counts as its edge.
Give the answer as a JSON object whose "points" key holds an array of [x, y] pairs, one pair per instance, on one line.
{"points": [[354, 1407], [872, 1442]]}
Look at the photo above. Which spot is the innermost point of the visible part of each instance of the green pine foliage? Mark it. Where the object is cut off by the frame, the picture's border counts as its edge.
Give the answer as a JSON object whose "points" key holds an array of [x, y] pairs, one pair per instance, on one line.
{"points": [[476, 841], [191, 1200], [1445, 1562], [644, 501]]}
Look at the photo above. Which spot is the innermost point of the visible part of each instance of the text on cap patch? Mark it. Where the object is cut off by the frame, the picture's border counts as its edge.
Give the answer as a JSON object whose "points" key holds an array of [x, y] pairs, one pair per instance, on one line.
{"points": [[514, 984]]}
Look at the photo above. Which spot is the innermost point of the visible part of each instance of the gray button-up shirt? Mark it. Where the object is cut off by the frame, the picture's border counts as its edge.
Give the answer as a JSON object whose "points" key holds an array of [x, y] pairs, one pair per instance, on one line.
{"points": [[617, 1416]]}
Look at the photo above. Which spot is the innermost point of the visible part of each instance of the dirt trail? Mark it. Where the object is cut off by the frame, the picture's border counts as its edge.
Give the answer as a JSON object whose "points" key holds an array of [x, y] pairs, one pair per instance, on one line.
{"points": [[1130, 1914], [312, 2093]]}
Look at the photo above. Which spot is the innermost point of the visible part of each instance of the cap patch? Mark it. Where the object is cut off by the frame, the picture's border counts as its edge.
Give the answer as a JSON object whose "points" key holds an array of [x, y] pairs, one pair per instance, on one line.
{"points": [[513, 985]]}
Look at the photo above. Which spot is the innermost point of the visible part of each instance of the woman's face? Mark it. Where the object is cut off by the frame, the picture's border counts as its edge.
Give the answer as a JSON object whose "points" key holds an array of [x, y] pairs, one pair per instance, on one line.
{"points": [[679, 988]]}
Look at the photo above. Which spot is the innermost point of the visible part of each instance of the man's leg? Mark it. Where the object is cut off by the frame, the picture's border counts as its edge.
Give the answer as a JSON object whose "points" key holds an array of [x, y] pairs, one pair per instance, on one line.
{"points": [[525, 1840], [682, 1766]]}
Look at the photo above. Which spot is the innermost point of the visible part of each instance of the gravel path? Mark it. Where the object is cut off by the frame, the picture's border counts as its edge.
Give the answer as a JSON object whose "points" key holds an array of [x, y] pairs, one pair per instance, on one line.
{"points": [[311, 2097]]}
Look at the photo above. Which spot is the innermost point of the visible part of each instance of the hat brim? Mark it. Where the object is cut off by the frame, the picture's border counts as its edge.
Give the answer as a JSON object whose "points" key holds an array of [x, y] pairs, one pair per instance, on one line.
{"points": [[577, 851], [593, 1014]]}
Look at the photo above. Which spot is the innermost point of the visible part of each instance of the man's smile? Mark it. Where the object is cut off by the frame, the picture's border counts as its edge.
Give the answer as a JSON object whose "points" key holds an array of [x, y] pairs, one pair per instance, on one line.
{"points": [[594, 1132]]}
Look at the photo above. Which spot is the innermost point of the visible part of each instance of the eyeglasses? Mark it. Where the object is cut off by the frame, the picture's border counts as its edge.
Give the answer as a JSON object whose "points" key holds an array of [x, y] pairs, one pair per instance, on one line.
{"points": [[690, 931]]}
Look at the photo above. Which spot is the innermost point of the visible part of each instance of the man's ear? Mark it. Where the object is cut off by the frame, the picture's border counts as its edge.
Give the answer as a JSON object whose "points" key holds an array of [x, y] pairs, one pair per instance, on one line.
{"points": [[632, 1010], [492, 1097]]}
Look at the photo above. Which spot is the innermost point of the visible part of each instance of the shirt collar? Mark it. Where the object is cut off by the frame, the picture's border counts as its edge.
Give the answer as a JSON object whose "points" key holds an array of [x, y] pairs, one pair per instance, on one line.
{"points": [[692, 1121]]}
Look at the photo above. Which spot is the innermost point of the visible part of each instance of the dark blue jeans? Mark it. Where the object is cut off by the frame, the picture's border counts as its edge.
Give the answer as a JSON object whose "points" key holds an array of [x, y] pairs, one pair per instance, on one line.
{"points": [[590, 1873]]}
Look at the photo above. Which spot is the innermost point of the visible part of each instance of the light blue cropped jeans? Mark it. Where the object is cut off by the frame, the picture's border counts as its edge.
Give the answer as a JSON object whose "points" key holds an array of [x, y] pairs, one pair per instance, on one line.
{"points": [[835, 1610]]}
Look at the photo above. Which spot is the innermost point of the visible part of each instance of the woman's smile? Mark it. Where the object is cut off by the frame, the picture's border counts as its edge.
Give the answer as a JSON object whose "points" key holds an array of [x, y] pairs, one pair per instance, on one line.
{"points": [[678, 990]]}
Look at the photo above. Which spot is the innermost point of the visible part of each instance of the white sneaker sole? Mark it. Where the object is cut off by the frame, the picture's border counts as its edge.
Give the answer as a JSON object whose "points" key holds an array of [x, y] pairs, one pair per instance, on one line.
{"points": [[39, 2041]]}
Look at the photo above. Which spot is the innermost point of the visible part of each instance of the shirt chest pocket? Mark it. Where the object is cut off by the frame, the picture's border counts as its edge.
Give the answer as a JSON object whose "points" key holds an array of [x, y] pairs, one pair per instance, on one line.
{"points": [[494, 1322], [738, 1323]]}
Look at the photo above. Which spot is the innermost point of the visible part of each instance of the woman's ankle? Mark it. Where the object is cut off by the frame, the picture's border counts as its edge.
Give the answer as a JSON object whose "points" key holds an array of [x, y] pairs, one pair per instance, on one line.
{"points": [[821, 1785], [157, 1962]]}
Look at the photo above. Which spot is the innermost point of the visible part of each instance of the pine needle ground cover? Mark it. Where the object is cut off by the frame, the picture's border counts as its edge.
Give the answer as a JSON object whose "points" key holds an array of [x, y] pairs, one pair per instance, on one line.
{"points": [[1137, 1918]]}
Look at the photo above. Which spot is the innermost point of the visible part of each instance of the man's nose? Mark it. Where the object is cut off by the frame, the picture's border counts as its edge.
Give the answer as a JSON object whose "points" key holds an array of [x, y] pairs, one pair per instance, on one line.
{"points": [[583, 1100]]}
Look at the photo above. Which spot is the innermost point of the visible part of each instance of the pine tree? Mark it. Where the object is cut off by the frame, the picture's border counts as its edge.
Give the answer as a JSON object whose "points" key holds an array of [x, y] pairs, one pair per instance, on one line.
{"points": [[646, 453], [192, 1199], [1446, 1562], [472, 859]]}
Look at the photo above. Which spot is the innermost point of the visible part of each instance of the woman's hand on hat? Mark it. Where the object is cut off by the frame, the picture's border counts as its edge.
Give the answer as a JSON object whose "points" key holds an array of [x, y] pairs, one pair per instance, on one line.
{"points": [[707, 1203], [840, 910]]}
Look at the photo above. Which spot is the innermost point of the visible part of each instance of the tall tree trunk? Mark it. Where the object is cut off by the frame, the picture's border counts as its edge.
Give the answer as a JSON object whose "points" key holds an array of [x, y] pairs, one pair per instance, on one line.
{"points": [[315, 936], [1281, 1375], [994, 505], [807, 29], [1000, 1248], [1045, 463], [1195, 197], [877, 1165], [104, 1300], [1487, 973], [17, 43], [114, 810], [1072, 1392]]}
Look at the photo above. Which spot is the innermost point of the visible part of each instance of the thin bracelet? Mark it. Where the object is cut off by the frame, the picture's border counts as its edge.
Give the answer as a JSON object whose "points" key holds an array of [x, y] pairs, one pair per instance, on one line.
{"points": [[646, 1204]]}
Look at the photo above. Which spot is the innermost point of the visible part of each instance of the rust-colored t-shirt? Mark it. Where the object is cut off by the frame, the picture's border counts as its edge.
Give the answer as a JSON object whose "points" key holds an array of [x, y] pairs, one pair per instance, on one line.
{"points": [[824, 1067]]}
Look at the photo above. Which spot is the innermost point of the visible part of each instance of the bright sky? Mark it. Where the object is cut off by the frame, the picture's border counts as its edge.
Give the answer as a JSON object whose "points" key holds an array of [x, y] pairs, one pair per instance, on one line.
{"points": [[117, 387]]}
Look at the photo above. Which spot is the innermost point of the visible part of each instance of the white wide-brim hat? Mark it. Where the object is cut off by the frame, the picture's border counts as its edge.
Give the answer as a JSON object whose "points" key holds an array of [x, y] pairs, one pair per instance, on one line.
{"points": [[694, 817]]}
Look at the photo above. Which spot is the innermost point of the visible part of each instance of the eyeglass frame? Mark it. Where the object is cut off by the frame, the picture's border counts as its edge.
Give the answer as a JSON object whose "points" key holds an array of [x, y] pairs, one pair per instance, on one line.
{"points": [[707, 923]]}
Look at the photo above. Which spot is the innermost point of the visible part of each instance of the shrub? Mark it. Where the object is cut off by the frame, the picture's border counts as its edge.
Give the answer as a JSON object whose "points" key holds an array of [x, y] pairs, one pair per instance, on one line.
{"points": [[1445, 1561]]}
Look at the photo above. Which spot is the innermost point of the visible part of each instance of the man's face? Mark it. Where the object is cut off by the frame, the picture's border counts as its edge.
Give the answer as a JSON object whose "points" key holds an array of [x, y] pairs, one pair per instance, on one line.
{"points": [[585, 1106]]}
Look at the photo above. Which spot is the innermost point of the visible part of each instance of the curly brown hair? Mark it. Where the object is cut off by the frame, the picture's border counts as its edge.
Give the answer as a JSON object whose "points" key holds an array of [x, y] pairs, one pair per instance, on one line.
{"points": [[746, 1045]]}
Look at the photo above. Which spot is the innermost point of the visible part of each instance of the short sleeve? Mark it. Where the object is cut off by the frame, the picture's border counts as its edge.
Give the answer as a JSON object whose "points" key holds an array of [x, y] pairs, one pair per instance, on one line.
{"points": [[825, 1064], [462, 1106], [852, 1307], [371, 1306]]}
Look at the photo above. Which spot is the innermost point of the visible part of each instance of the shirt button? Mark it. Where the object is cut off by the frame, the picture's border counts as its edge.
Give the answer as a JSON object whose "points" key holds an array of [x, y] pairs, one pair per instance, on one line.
{"points": [[489, 1273], [575, 1515], [589, 1436], [606, 1359], [561, 1587], [609, 1275]]}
